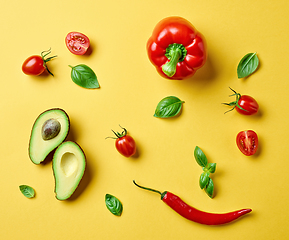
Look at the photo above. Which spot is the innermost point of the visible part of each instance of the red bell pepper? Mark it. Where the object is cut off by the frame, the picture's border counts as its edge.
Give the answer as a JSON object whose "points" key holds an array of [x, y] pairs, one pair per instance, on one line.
{"points": [[176, 48]]}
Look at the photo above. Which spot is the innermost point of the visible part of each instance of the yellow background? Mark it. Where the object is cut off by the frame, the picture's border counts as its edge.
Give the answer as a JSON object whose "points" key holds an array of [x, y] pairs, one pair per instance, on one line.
{"points": [[130, 90]]}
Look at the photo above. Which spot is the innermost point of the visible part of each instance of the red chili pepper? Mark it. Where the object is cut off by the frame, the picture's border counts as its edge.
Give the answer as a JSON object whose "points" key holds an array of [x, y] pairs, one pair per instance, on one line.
{"points": [[193, 214], [176, 48]]}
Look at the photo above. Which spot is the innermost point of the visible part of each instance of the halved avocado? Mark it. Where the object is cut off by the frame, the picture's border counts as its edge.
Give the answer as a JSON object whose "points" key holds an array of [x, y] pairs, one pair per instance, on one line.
{"points": [[68, 168], [48, 132]]}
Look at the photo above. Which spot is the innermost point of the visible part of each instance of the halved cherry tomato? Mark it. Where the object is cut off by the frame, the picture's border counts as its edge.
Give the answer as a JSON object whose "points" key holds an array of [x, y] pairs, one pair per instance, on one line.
{"points": [[35, 65], [124, 143], [244, 104], [247, 142], [77, 43]]}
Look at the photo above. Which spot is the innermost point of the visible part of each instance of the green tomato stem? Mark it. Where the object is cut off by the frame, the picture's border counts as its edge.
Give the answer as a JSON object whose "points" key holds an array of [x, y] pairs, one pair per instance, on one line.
{"points": [[45, 60], [117, 134], [234, 103]]}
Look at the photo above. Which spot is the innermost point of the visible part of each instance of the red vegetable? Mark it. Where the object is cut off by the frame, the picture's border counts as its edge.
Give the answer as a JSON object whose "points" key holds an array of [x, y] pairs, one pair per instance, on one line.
{"points": [[247, 105], [193, 214], [35, 65], [247, 142], [124, 143], [244, 104], [77, 43], [176, 48]]}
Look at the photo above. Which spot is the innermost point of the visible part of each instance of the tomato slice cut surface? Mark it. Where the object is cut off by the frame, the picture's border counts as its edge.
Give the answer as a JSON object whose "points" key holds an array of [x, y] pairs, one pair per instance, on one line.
{"points": [[77, 43], [247, 142]]}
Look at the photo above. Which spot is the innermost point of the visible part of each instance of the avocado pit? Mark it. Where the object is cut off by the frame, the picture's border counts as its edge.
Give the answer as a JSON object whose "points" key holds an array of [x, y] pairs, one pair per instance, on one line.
{"points": [[50, 129]]}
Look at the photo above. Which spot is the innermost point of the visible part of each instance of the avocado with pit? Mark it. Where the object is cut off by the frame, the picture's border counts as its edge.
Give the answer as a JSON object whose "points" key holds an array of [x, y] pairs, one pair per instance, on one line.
{"points": [[48, 132], [68, 165]]}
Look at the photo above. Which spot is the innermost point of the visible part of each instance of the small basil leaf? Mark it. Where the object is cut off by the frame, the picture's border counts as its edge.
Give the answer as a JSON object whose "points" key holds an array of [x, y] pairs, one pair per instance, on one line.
{"points": [[210, 188], [200, 157], [168, 107], [247, 65], [27, 191], [84, 76], [113, 204], [204, 179], [211, 167]]}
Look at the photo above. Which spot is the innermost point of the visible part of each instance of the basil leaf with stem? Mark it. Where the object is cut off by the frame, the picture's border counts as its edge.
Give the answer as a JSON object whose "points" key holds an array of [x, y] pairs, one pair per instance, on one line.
{"points": [[209, 189], [168, 107], [84, 76], [27, 191], [211, 167], [247, 65], [204, 179], [200, 157], [113, 204]]}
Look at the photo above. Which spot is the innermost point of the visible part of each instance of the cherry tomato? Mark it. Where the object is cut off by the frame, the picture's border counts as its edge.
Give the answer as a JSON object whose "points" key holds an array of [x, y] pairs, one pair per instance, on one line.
{"points": [[247, 142], [244, 104], [124, 143], [77, 43], [126, 146], [247, 105], [35, 65]]}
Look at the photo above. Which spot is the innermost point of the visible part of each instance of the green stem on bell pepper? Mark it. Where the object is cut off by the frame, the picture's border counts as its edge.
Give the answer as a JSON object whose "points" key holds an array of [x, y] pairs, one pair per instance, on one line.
{"points": [[175, 53]]}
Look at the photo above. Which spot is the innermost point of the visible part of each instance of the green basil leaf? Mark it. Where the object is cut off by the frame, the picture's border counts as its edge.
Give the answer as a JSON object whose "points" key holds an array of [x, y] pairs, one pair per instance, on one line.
{"points": [[210, 188], [168, 107], [113, 204], [84, 76], [204, 179], [200, 157], [211, 167], [247, 65], [27, 191]]}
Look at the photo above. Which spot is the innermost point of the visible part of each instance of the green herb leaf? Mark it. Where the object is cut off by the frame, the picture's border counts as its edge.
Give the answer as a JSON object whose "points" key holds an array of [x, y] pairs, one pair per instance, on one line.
{"points": [[204, 179], [113, 205], [84, 76], [211, 167], [210, 188], [200, 157], [247, 65], [168, 107], [27, 191]]}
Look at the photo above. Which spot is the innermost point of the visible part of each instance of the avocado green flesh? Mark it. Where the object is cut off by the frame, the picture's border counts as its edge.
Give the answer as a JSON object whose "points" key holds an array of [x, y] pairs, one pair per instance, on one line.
{"points": [[40, 148], [68, 168]]}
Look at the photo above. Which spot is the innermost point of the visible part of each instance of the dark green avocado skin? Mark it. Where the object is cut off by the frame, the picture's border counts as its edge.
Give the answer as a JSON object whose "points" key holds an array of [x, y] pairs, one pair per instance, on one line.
{"points": [[38, 128]]}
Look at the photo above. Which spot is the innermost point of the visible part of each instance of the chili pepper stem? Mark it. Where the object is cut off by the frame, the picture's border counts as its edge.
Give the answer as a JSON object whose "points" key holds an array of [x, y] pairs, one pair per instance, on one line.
{"points": [[150, 189]]}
